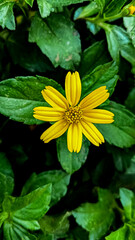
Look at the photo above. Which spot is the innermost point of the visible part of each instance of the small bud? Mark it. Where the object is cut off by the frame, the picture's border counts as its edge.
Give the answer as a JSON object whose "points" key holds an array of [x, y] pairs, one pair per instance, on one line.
{"points": [[132, 9]]}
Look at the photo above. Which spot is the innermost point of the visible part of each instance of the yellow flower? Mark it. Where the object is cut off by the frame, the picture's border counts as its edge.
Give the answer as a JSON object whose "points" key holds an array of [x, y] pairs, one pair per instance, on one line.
{"points": [[68, 115], [132, 9]]}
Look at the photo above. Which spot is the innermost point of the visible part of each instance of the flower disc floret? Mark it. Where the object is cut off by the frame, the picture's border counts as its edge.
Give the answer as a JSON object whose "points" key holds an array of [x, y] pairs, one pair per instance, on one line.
{"points": [[73, 115]]}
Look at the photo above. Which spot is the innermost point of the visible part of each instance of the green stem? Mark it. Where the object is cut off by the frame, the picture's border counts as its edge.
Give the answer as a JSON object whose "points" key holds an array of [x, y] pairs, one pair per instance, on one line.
{"points": [[121, 211], [104, 25], [100, 22], [23, 6], [24, 12]]}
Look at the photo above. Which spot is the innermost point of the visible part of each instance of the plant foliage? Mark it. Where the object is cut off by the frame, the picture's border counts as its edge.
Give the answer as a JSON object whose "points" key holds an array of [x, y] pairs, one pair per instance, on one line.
{"points": [[47, 192]]}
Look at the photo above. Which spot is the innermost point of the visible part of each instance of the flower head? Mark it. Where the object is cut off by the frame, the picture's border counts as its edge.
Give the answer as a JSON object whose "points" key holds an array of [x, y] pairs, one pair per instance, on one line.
{"points": [[71, 116]]}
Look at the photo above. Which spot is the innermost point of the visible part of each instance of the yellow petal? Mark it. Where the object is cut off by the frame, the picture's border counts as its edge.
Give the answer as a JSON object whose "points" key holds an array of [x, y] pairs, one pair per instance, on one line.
{"points": [[60, 110], [73, 88], [67, 87], [78, 87], [97, 133], [91, 132], [47, 119], [94, 99], [55, 131], [98, 116], [54, 98], [70, 138], [74, 137], [79, 138], [47, 114]]}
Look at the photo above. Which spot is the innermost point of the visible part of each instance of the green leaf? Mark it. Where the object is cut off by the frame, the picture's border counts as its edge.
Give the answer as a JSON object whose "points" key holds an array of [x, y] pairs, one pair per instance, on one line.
{"points": [[113, 45], [96, 218], [78, 233], [3, 217], [6, 177], [23, 213], [131, 168], [7, 18], [129, 23], [45, 8], [31, 57], [71, 162], [55, 225], [106, 197], [101, 4], [30, 2], [122, 157], [114, 7], [61, 44], [2, 54], [92, 57], [126, 48], [18, 97], [15, 231], [5, 166], [120, 43], [43, 236], [48, 6], [130, 101], [30, 207], [59, 3], [4, 185], [93, 27], [127, 199], [58, 178], [103, 75], [87, 11], [123, 233], [121, 132], [32, 225]]}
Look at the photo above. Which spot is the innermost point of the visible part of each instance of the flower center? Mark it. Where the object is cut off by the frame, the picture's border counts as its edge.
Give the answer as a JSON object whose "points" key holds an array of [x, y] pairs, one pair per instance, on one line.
{"points": [[73, 114]]}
